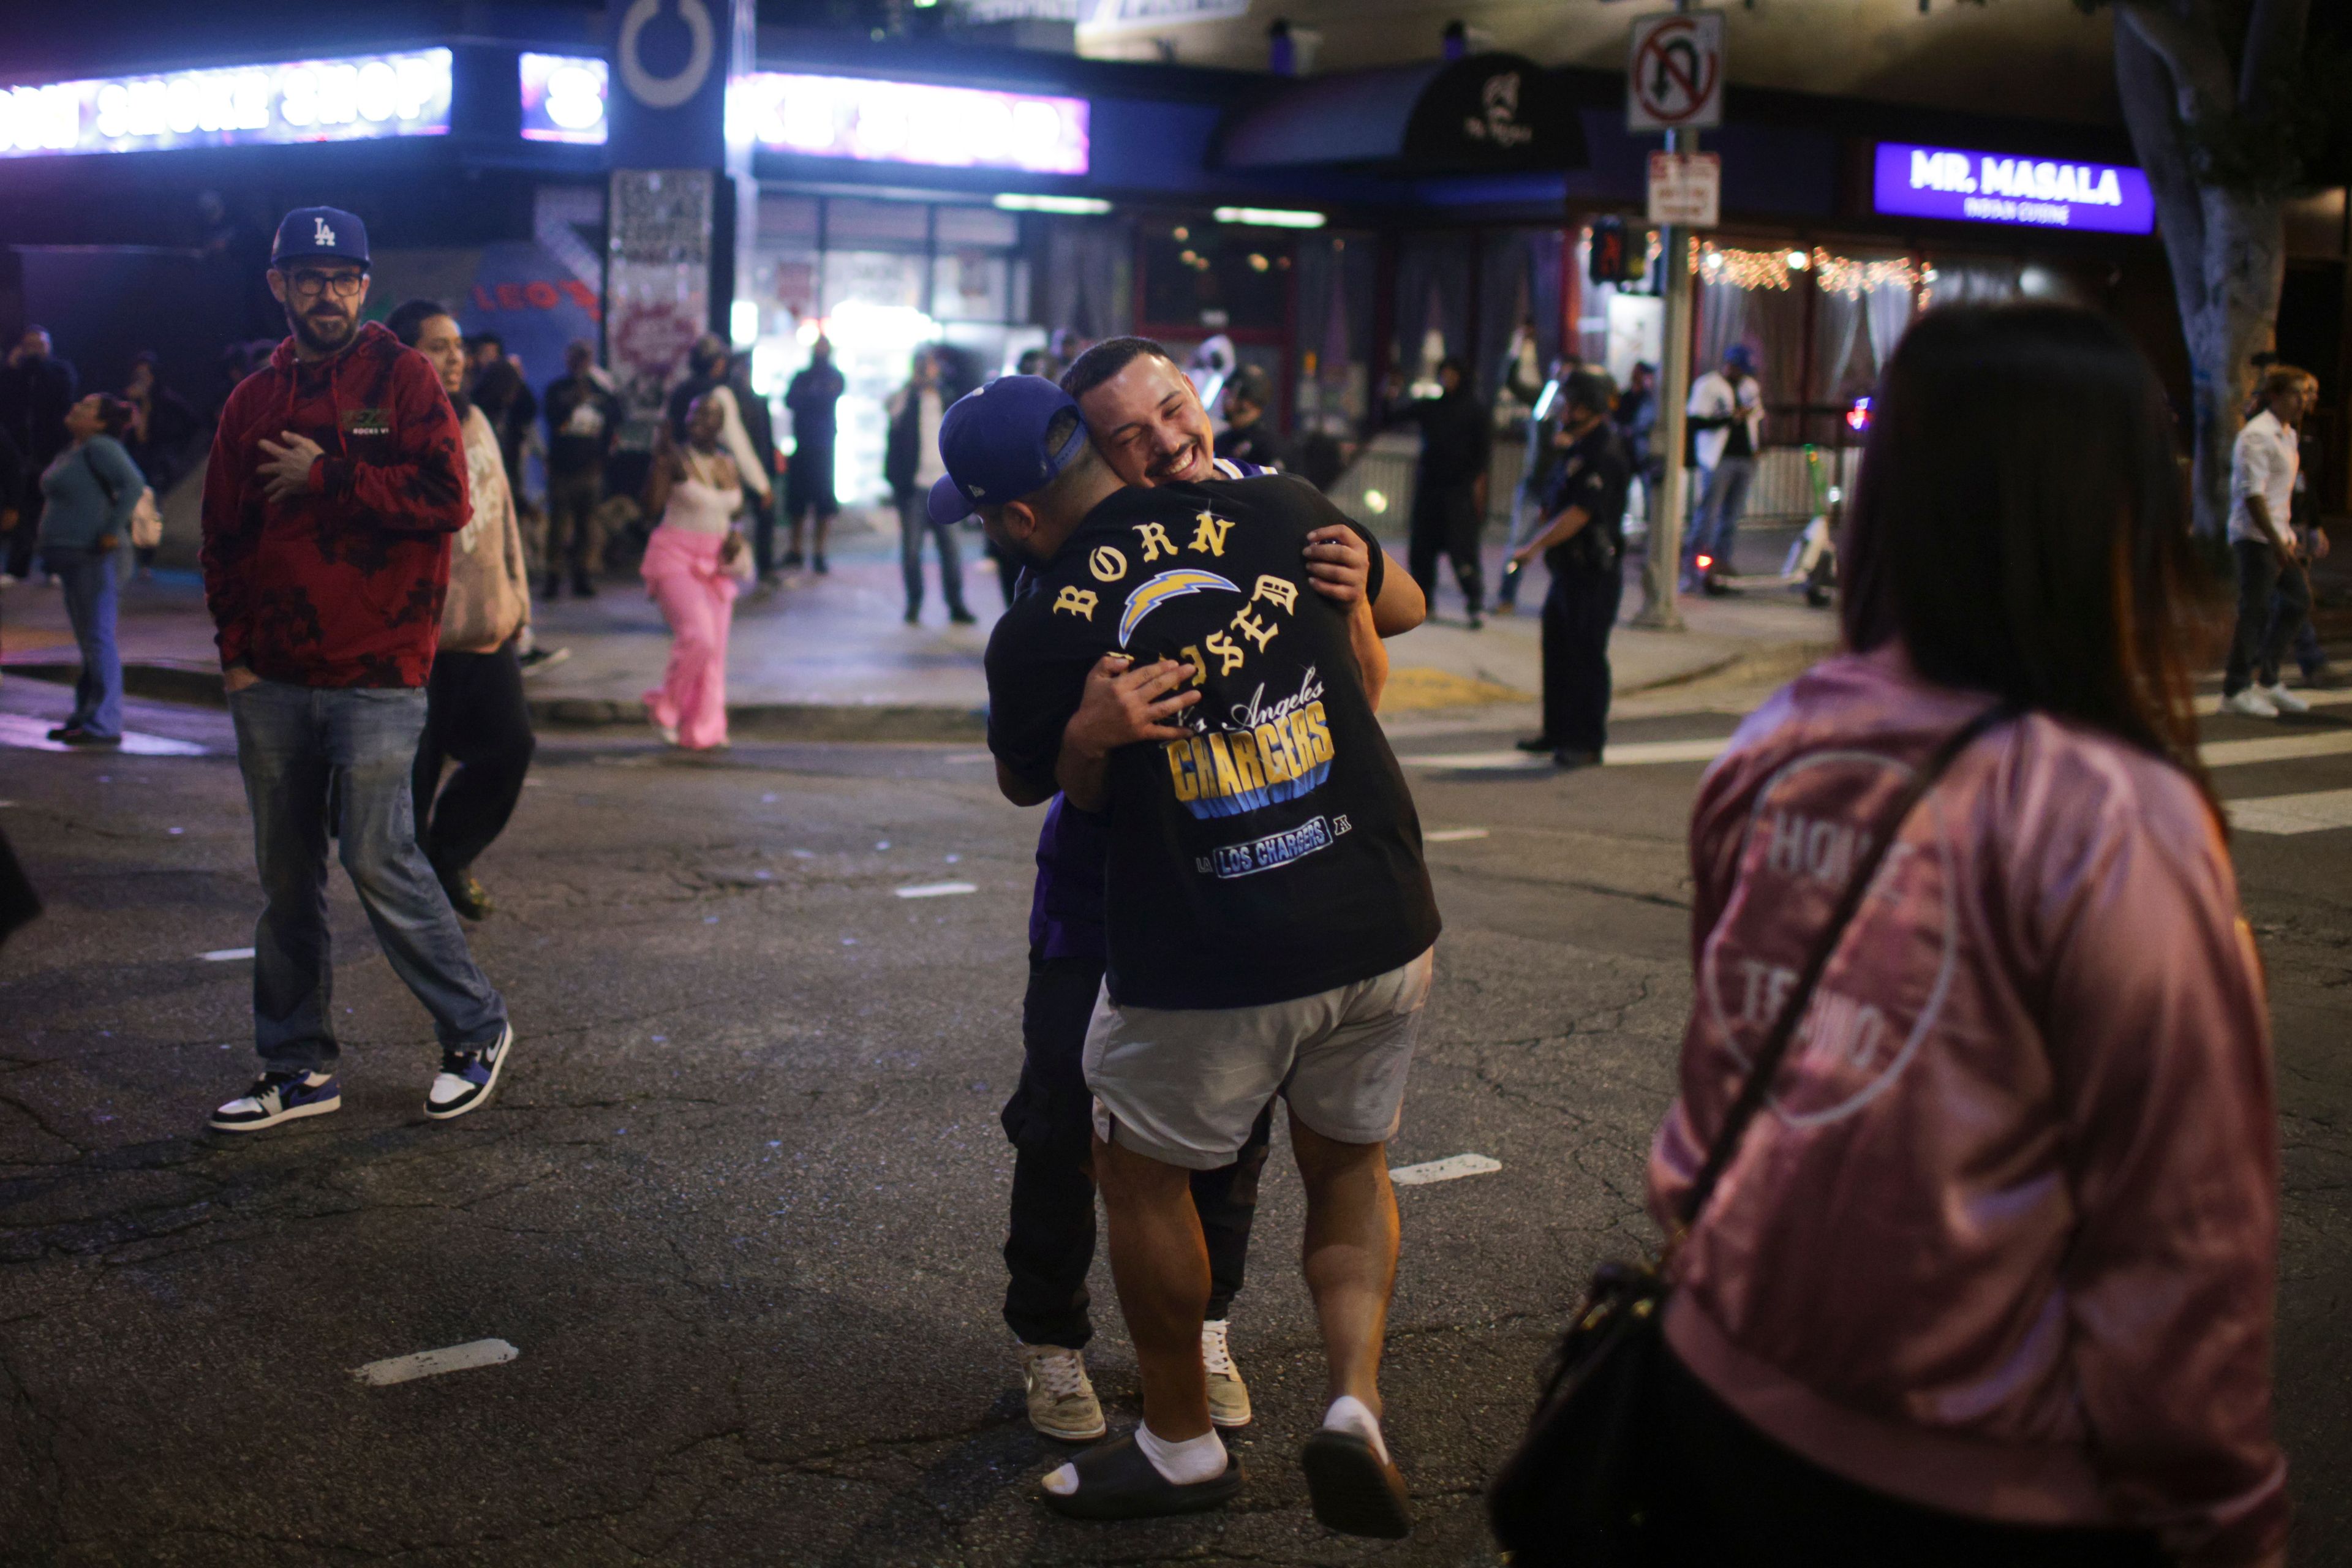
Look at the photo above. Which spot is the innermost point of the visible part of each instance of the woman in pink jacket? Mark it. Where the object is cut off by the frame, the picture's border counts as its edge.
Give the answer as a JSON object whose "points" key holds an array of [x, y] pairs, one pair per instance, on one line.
{"points": [[1990, 1279]]}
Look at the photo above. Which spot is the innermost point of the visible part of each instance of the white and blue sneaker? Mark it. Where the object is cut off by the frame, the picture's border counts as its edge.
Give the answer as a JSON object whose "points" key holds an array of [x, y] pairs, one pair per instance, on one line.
{"points": [[278, 1096], [467, 1077]]}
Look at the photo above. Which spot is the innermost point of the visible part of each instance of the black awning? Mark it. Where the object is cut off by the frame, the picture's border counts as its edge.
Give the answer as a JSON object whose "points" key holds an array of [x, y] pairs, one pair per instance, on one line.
{"points": [[1485, 112]]}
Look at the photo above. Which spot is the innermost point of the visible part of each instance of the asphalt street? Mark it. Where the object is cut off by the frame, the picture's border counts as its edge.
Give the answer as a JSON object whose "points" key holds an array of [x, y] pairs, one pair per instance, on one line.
{"points": [[738, 1204]]}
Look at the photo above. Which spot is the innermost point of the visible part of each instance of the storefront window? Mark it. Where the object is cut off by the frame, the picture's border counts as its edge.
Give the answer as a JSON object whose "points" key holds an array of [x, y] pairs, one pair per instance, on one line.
{"points": [[880, 280]]}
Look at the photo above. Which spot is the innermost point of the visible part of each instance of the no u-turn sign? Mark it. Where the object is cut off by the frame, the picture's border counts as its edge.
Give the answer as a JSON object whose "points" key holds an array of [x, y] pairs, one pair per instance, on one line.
{"points": [[1674, 80]]}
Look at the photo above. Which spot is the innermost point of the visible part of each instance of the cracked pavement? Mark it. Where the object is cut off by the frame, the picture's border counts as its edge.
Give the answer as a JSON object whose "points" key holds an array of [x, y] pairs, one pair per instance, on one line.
{"points": [[739, 1200]]}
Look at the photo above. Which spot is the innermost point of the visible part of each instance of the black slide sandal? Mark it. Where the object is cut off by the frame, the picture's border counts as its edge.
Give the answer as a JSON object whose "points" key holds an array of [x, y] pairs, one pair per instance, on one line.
{"points": [[1115, 1480], [1355, 1491]]}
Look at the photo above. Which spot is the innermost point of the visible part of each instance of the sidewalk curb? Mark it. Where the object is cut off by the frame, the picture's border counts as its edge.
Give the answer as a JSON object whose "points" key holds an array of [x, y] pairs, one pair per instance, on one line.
{"points": [[899, 722]]}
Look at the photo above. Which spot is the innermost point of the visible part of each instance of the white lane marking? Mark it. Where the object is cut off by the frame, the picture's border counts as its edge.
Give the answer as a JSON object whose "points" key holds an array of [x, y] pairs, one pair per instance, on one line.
{"points": [[961, 757], [226, 955], [1479, 761], [1453, 834], [1636, 754], [433, 1363], [2313, 813], [33, 735], [2284, 748], [1644, 753], [2206, 707], [935, 890], [1453, 1167]]}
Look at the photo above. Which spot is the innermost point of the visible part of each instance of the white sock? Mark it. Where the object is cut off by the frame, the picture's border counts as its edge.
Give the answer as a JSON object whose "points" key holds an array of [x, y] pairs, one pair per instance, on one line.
{"points": [[1349, 1414], [1196, 1459], [1184, 1464]]}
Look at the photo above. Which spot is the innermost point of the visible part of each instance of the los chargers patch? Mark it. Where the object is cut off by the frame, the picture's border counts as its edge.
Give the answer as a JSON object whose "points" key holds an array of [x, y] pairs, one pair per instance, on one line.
{"points": [[1273, 849]]}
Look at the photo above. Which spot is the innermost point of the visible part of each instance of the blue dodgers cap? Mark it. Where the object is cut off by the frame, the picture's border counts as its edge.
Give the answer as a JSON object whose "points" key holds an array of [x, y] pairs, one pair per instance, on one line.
{"points": [[1741, 356], [992, 442], [319, 234]]}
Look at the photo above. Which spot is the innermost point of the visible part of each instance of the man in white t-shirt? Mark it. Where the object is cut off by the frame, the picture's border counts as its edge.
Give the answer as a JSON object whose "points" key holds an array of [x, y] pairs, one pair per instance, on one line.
{"points": [[910, 463], [2274, 593], [1727, 410]]}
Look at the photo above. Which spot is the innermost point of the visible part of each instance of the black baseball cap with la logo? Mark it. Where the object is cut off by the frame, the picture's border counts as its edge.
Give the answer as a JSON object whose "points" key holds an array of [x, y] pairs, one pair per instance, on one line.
{"points": [[319, 234]]}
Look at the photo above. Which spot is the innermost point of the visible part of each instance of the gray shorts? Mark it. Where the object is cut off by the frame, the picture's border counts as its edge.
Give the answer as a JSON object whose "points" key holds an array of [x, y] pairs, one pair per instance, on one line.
{"points": [[1184, 1086]]}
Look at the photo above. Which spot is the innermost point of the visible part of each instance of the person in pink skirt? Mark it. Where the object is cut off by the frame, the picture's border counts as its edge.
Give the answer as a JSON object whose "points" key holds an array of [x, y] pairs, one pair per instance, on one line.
{"points": [[690, 570]]}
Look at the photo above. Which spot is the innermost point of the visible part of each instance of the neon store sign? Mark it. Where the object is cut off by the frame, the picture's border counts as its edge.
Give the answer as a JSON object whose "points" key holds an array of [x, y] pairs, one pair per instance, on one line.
{"points": [[349, 100], [564, 98], [1993, 187], [909, 122]]}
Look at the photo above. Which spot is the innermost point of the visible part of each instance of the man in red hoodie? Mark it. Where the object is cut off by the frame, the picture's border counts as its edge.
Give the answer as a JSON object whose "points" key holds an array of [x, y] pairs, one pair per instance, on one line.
{"points": [[336, 479]]}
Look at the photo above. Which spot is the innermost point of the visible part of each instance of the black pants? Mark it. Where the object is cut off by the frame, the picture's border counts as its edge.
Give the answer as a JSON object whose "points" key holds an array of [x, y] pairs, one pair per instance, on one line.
{"points": [[1579, 613], [574, 539], [2273, 601], [1727, 1493], [1050, 1120], [475, 715], [1446, 521]]}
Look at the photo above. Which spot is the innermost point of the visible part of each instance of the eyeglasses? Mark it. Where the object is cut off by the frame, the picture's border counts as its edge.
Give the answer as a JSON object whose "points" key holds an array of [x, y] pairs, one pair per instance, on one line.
{"points": [[309, 285]]}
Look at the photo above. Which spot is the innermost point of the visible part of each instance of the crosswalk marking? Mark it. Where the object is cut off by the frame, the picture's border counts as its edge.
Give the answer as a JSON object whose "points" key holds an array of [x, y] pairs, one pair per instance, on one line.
{"points": [[2314, 813], [33, 735], [2277, 749], [2287, 748], [2206, 707]]}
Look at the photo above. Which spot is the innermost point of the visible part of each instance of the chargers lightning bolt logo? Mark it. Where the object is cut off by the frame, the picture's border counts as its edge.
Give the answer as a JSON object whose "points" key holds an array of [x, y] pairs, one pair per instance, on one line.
{"points": [[1161, 589]]}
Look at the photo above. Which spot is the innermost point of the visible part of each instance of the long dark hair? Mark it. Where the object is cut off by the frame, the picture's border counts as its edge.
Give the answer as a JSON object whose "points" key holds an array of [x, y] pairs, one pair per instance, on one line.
{"points": [[406, 322], [2021, 523]]}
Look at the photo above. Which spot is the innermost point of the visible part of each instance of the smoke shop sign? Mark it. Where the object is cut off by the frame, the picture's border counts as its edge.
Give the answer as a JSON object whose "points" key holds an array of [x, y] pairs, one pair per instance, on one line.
{"points": [[1996, 187]]}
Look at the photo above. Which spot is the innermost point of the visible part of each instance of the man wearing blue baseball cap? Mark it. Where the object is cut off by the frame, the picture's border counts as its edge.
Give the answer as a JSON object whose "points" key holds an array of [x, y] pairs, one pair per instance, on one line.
{"points": [[336, 480], [1727, 415], [1270, 923], [1145, 419]]}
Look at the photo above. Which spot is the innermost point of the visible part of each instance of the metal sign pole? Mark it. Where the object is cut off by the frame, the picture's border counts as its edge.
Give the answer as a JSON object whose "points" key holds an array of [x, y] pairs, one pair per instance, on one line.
{"points": [[1662, 572]]}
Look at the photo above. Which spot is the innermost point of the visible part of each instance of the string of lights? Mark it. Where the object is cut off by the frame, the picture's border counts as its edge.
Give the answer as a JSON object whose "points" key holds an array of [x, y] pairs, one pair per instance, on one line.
{"points": [[1753, 269]]}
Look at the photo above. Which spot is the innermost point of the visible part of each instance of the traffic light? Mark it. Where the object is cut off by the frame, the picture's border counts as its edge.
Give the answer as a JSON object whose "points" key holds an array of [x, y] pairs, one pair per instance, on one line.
{"points": [[1607, 256], [1617, 257]]}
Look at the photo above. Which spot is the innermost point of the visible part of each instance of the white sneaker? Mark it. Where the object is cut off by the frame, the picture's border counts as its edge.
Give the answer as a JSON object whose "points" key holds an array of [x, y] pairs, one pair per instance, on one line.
{"points": [[1062, 1402], [2250, 702], [1229, 1401], [2286, 701]]}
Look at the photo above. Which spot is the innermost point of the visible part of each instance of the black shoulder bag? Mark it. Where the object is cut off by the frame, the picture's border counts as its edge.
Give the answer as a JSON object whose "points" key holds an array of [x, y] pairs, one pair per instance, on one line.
{"points": [[1574, 1493]]}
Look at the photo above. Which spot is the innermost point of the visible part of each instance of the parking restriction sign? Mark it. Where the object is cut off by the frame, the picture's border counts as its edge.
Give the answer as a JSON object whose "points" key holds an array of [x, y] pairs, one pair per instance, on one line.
{"points": [[1685, 189], [1675, 79]]}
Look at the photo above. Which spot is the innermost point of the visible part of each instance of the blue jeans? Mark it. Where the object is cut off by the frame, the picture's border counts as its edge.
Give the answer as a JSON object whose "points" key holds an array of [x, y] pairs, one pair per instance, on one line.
{"points": [[1722, 497], [89, 578], [321, 759]]}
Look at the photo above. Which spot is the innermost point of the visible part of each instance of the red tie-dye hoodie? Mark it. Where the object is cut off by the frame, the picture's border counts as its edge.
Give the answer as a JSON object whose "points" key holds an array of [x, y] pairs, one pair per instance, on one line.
{"points": [[342, 584]]}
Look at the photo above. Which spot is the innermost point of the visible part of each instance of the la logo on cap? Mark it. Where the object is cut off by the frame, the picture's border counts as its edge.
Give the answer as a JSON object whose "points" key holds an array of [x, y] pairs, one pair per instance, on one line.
{"points": [[325, 236]]}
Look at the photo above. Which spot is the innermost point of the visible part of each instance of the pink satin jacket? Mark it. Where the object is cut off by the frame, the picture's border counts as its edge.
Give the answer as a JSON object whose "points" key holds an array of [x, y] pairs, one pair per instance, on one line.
{"points": [[2003, 1241]]}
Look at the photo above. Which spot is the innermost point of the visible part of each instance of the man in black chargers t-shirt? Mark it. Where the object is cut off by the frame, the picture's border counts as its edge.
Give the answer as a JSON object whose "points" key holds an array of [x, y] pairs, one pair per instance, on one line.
{"points": [[1270, 920]]}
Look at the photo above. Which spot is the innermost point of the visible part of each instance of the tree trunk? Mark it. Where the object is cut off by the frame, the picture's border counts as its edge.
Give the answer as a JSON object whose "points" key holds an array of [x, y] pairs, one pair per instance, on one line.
{"points": [[2227, 247]]}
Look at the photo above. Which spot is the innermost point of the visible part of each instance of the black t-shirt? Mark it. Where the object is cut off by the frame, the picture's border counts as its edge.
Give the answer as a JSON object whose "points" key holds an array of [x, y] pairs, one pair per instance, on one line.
{"points": [[1274, 853], [1594, 474]]}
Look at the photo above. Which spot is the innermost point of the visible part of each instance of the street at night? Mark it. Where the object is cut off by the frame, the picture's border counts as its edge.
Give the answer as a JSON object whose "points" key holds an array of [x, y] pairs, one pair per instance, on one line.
{"points": [[738, 1206]]}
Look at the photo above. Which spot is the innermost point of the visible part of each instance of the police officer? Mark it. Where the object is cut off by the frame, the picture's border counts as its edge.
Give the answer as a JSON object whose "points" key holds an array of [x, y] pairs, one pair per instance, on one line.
{"points": [[1584, 543]]}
